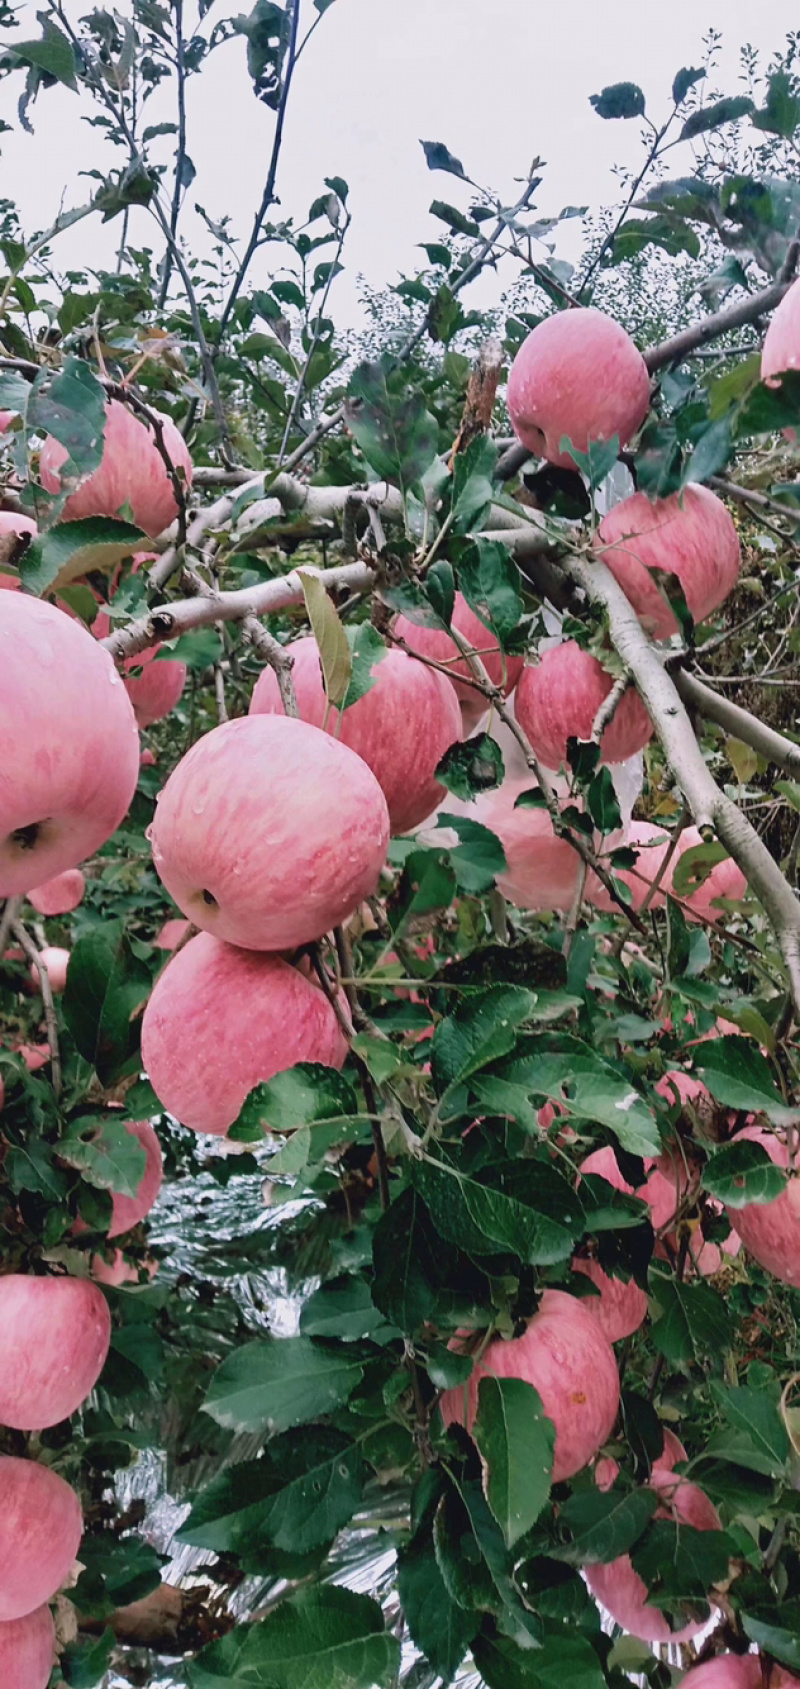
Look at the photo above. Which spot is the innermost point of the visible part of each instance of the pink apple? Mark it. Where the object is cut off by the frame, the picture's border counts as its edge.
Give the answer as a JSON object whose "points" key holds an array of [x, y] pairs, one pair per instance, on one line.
{"points": [[116, 1271], [222, 1020], [127, 1211], [542, 869], [725, 880], [154, 688], [54, 1337], [677, 1086], [663, 1189], [172, 934], [565, 1356], [578, 374], [651, 844], [771, 1230], [621, 1590], [55, 962], [40, 1531], [436, 644], [268, 833], [60, 895], [733, 1671], [620, 1308], [28, 1650], [401, 728], [781, 349], [558, 698], [70, 745], [672, 1452], [690, 534], [132, 473]]}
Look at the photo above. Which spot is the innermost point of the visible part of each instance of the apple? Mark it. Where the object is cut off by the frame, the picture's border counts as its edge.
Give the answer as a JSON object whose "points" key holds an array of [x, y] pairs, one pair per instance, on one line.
{"points": [[690, 534], [663, 1189], [56, 962], [132, 472], [620, 1589], [154, 688], [565, 1356], [60, 895], [28, 1650], [558, 698], [771, 1230], [172, 934], [54, 1338], [221, 1020], [13, 523], [733, 1671], [620, 1308], [40, 1531], [127, 1211], [652, 843], [542, 869], [116, 1271], [436, 644], [579, 375], [672, 1452], [725, 880], [268, 833], [781, 349], [70, 745], [401, 728]]}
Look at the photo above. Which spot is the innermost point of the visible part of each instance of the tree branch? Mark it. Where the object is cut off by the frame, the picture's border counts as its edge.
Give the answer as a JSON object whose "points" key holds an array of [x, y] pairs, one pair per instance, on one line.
{"points": [[710, 328], [180, 70], [34, 956], [738, 722]]}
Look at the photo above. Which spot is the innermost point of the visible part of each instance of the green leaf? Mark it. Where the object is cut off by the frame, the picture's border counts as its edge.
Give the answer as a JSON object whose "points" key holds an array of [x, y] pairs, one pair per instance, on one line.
{"points": [[474, 765], [528, 1208], [342, 1308], [683, 81], [106, 984], [619, 99], [334, 651], [739, 1076], [668, 232], [454, 219], [105, 1152], [516, 1441], [603, 1525], [777, 1630], [694, 866], [397, 435], [271, 1386], [767, 408], [322, 1638], [711, 452], [480, 1031], [597, 461], [366, 651], [440, 1627], [478, 858], [700, 122], [473, 470], [694, 1322], [71, 407], [267, 40], [71, 549], [564, 1658], [437, 157], [199, 650], [412, 1262], [602, 801], [490, 581], [305, 1095], [756, 1414], [590, 1089], [306, 1486], [53, 54], [679, 1563], [740, 1173], [781, 114], [83, 1665]]}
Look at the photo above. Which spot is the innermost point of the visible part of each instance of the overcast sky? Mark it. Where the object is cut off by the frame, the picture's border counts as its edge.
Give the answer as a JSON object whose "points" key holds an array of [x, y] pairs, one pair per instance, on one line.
{"points": [[499, 81]]}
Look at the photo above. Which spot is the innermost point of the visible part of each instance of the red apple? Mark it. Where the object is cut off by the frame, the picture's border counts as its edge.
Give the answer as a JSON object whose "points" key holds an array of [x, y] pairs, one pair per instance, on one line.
{"points": [[172, 934], [672, 1452], [771, 1230], [54, 1337], [565, 1356], [268, 833], [401, 728], [55, 961], [28, 1650], [127, 1211], [690, 534], [577, 374], [651, 843], [222, 1020], [662, 1190], [781, 349], [620, 1589], [558, 698], [13, 522], [40, 1531], [70, 745], [436, 644], [542, 869], [733, 1671], [620, 1308], [60, 895], [154, 688], [725, 880], [132, 472]]}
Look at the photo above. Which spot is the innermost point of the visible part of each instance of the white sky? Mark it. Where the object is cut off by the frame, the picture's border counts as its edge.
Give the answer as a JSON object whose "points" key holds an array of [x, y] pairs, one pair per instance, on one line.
{"points": [[499, 81]]}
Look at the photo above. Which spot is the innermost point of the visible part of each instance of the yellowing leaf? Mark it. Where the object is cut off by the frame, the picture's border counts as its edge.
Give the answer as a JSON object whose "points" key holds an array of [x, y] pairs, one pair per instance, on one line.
{"points": [[334, 651]]}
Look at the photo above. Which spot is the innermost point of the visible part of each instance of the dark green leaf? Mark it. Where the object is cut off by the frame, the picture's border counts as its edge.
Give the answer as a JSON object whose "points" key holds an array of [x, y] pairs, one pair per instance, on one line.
{"points": [[480, 1031], [777, 1630], [322, 1638], [679, 1563], [393, 428], [454, 219], [343, 1308], [478, 858], [602, 802], [306, 1095], [516, 1441], [72, 549], [739, 1076], [563, 1659], [619, 99], [441, 1629], [412, 1262], [597, 461], [490, 581], [781, 114], [742, 1172], [700, 122], [756, 1414], [366, 651], [85, 1664], [683, 81], [53, 54], [603, 1525], [474, 765], [437, 157], [693, 1324], [105, 1152], [271, 1386], [306, 1486], [106, 984]]}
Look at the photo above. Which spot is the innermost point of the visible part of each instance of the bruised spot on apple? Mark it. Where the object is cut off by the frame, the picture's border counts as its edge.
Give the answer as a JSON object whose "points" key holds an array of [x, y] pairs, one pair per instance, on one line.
{"points": [[54, 1338], [401, 727], [561, 1347], [28, 1650], [558, 698], [40, 1532], [70, 745], [221, 1020], [269, 833], [579, 375], [131, 473]]}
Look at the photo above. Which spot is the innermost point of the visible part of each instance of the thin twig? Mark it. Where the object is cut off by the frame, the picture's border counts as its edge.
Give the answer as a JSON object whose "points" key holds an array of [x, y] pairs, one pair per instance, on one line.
{"points": [[10, 914], [279, 658], [180, 160], [34, 956]]}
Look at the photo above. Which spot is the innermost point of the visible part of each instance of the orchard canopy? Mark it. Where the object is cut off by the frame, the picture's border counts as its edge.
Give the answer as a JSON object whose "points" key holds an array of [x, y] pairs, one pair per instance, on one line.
{"points": [[399, 915]]}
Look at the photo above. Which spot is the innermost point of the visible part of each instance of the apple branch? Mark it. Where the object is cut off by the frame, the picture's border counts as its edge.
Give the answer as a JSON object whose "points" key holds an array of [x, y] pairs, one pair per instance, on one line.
{"points": [[33, 954], [711, 808], [741, 724]]}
